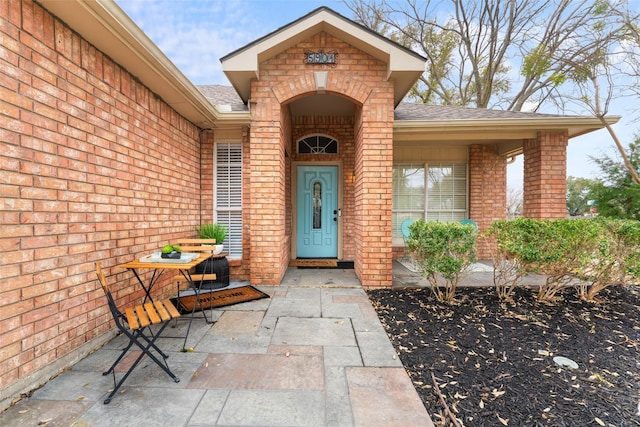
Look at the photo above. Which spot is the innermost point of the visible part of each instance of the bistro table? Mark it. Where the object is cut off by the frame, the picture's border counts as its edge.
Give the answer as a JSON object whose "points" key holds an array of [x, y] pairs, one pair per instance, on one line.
{"points": [[159, 265]]}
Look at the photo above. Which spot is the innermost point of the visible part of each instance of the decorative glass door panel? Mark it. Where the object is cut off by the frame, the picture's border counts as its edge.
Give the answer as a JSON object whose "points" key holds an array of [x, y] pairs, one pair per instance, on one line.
{"points": [[317, 212]]}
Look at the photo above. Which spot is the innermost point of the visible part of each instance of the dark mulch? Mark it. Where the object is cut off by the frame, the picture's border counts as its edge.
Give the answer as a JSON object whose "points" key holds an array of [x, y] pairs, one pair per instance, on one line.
{"points": [[493, 362]]}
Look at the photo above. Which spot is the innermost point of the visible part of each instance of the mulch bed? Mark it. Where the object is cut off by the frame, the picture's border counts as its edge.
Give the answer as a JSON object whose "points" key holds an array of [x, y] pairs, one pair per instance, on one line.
{"points": [[491, 364]]}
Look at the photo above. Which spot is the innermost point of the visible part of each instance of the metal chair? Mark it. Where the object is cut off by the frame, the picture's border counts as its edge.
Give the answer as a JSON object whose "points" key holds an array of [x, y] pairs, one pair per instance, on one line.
{"points": [[133, 323], [199, 282], [404, 228], [470, 222], [205, 274]]}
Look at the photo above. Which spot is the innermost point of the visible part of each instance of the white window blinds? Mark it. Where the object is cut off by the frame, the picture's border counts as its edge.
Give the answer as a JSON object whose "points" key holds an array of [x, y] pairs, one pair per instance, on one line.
{"points": [[435, 192], [228, 195]]}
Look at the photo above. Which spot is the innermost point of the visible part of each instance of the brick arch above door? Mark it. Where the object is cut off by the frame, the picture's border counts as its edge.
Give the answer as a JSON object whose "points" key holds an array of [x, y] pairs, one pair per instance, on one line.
{"points": [[338, 83]]}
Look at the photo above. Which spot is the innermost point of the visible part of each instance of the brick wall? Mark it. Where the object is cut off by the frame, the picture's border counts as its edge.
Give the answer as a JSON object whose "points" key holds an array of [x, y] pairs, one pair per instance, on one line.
{"points": [[284, 78], [207, 159], [95, 167], [487, 190], [545, 180], [373, 191]]}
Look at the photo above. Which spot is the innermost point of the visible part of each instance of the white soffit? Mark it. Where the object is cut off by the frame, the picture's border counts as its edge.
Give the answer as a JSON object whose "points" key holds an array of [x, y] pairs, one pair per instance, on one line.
{"points": [[103, 24], [403, 65]]}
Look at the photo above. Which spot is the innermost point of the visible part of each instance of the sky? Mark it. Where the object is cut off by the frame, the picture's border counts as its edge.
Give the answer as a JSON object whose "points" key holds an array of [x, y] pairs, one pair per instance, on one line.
{"points": [[195, 34]]}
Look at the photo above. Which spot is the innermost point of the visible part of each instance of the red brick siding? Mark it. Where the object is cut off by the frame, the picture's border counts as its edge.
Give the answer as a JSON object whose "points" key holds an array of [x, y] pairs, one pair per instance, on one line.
{"points": [[487, 190], [207, 152], [373, 192], [545, 176], [95, 168], [284, 78]]}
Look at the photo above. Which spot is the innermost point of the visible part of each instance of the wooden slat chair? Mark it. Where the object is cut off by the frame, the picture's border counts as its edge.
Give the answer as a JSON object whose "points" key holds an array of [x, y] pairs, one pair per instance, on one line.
{"points": [[133, 323], [197, 280], [194, 245]]}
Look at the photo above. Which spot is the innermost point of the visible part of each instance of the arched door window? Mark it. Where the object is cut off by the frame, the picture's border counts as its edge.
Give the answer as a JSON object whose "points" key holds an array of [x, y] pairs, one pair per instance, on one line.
{"points": [[317, 144]]}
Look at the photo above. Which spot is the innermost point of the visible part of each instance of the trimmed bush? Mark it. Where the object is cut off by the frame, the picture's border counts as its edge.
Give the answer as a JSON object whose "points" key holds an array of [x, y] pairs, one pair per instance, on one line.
{"points": [[517, 253], [615, 258], [589, 254], [442, 252]]}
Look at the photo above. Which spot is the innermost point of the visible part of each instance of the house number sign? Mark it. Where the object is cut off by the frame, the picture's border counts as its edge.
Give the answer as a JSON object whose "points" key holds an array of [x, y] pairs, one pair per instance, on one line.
{"points": [[320, 57]]}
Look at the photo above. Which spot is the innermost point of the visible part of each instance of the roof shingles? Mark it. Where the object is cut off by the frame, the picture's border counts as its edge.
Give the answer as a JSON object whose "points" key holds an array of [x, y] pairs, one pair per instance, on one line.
{"points": [[223, 95], [220, 95], [410, 111]]}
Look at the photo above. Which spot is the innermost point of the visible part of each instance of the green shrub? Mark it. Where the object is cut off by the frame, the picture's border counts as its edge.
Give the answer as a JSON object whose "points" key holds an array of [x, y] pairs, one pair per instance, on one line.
{"points": [[212, 231], [442, 252], [511, 253], [574, 242], [615, 258], [589, 254]]}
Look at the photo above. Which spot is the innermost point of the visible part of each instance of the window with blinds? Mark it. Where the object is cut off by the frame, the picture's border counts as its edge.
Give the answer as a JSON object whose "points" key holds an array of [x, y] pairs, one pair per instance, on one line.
{"points": [[408, 195], [446, 192], [435, 192], [228, 195]]}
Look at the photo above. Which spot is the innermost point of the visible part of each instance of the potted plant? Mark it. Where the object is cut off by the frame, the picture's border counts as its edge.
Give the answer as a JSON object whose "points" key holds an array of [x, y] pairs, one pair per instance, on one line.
{"points": [[171, 252], [217, 265], [210, 230]]}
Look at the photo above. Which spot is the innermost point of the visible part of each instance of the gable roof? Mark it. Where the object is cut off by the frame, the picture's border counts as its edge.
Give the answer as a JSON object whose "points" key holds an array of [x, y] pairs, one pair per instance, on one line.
{"points": [[403, 65], [224, 98]]}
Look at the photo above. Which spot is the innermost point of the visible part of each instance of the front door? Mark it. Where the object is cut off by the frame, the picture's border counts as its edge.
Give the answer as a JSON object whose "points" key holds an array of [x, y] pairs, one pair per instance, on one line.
{"points": [[317, 216]]}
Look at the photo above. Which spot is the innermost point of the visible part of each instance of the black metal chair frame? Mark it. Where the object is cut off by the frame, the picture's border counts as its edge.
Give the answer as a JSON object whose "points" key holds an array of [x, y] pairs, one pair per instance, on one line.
{"points": [[134, 329]]}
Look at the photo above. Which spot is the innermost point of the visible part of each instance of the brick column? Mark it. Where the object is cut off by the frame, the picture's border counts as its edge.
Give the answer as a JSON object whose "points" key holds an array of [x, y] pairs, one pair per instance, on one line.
{"points": [[545, 176], [373, 194], [267, 198], [487, 190]]}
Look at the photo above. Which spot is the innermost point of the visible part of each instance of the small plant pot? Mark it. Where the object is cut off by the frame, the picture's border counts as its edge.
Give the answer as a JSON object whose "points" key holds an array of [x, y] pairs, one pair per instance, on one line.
{"points": [[172, 255], [217, 249]]}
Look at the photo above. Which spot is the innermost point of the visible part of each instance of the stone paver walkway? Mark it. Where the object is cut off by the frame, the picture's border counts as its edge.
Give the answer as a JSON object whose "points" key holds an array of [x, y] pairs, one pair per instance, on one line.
{"points": [[314, 354]]}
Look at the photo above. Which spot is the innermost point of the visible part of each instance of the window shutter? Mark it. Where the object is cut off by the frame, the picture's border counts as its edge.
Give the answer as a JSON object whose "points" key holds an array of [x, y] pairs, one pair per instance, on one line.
{"points": [[228, 192]]}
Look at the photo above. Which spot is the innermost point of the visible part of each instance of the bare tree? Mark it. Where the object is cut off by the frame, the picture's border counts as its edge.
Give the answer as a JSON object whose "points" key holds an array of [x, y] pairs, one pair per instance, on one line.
{"points": [[473, 47], [630, 35], [568, 52], [514, 203], [605, 67]]}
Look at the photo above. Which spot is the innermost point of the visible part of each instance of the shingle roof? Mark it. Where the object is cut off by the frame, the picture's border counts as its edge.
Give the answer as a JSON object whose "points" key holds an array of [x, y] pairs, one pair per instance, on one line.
{"points": [[411, 111], [223, 95], [220, 95]]}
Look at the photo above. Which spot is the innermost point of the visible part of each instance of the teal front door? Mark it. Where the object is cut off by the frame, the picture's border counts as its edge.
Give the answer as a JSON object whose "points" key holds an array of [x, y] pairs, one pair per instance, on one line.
{"points": [[317, 212]]}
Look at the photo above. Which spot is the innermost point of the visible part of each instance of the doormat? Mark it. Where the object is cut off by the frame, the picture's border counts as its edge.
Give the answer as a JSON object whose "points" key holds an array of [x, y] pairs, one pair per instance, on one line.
{"points": [[329, 263], [314, 262], [219, 298]]}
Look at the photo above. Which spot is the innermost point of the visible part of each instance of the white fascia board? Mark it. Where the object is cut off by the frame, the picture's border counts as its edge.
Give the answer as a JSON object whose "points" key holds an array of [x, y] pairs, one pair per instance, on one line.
{"points": [[493, 128]]}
